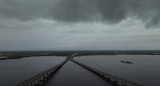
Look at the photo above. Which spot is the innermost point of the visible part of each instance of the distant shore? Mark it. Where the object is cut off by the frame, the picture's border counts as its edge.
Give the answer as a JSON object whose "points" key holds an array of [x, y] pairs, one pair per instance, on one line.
{"points": [[21, 54]]}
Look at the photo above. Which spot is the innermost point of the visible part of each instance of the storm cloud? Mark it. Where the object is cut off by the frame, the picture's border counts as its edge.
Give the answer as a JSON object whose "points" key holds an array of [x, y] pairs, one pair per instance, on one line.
{"points": [[79, 24], [110, 11]]}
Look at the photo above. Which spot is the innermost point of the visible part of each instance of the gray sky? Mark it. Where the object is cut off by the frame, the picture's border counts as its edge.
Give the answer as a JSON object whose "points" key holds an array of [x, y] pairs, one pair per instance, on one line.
{"points": [[79, 24]]}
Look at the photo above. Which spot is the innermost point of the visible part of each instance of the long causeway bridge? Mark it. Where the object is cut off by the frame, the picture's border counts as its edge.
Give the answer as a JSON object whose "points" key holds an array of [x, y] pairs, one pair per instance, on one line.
{"points": [[42, 78]]}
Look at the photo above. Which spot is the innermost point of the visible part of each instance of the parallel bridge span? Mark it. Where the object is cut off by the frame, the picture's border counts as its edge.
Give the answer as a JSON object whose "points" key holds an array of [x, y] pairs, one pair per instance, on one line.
{"points": [[114, 79], [41, 78]]}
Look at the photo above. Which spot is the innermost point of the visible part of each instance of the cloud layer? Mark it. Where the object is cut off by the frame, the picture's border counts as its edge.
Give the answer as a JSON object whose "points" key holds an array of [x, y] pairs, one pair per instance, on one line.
{"points": [[79, 24], [110, 11]]}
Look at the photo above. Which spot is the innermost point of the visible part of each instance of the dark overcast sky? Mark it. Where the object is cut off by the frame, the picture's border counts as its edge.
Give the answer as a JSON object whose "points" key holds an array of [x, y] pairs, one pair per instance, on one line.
{"points": [[79, 24]]}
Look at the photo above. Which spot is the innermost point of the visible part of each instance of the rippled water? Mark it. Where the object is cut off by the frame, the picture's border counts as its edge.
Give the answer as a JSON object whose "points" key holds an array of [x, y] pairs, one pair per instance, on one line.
{"points": [[145, 69], [14, 71]]}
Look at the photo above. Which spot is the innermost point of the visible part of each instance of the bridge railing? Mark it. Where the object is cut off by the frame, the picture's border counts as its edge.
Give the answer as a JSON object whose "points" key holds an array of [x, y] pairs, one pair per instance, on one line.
{"points": [[107, 76], [36, 80]]}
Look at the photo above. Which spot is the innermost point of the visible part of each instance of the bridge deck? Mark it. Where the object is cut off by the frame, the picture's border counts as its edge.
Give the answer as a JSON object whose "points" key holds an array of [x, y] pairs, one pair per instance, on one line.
{"points": [[72, 74], [41, 78], [109, 77]]}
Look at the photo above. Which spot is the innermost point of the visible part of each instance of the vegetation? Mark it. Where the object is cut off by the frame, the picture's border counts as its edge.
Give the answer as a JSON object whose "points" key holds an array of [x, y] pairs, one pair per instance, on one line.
{"points": [[21, 54]]}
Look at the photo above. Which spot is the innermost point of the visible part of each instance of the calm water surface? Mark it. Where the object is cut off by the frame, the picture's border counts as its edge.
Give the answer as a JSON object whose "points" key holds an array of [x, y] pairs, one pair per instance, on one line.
{"points": [[145, 69], [72, 74], [12, 72]]}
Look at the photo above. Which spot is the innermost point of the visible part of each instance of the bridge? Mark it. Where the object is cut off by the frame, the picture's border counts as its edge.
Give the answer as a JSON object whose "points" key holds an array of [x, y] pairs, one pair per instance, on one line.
{"points": [[42, 78]]}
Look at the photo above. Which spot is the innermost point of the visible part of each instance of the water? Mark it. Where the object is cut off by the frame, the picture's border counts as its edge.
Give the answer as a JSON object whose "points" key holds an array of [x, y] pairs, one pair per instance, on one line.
{"points": [[72, 74], [2, 57], [12, 72], [145, 69]]}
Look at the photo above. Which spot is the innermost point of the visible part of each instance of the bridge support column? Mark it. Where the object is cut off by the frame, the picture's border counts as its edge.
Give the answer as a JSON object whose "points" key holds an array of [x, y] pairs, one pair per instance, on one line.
{"points": [[115, 82], [111, 78], [123, 84]]}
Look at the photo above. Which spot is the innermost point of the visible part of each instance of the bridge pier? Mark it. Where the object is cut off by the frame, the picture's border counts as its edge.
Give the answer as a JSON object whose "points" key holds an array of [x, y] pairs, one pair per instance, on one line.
{"points": [[107, 78], [111, 78], [43, 77], [115, 82], [123, 84], [36, 84]]}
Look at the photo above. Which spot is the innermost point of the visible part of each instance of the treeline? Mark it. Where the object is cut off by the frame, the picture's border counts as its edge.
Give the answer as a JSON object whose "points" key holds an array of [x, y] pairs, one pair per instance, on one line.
{"points": [[21, 54]]}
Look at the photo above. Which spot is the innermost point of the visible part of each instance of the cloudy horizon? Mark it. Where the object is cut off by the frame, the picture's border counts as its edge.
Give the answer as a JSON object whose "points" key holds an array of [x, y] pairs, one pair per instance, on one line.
{"points": [[79, 25]]}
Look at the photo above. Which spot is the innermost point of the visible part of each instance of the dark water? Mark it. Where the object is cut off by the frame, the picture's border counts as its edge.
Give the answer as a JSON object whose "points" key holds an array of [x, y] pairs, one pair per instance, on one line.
{"points": [[145, 69], [2, 57], [12, 72], [72, 74]]}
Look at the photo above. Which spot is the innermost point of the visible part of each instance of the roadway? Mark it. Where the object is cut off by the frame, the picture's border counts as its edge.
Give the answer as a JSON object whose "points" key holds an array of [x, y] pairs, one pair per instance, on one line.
{"points": [[72, 74]]}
